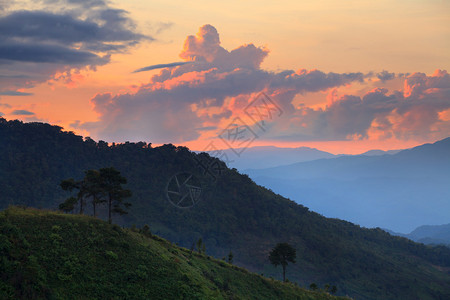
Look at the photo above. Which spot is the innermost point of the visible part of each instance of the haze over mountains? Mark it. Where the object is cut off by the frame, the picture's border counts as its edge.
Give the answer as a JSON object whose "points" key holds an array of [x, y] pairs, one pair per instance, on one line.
{"points": [[400, 191], [260, 157]]}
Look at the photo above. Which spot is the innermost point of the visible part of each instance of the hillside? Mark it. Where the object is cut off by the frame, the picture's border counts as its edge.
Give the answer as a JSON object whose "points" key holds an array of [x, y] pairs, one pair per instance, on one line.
{"points": [[400, 191], [233, 214], [54, 256]]}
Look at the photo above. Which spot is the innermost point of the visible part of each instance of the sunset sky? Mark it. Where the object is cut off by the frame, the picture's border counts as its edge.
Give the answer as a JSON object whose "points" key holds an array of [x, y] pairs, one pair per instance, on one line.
{"points": [[341, 76]]}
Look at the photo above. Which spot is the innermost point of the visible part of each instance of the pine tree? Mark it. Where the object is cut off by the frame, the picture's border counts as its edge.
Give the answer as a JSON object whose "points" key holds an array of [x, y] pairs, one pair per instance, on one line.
{"points": [[282, 254]]}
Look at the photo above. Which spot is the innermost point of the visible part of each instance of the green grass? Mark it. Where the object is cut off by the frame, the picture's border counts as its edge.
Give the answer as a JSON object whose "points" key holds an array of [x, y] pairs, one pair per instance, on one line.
{"points": [[48, 255]]}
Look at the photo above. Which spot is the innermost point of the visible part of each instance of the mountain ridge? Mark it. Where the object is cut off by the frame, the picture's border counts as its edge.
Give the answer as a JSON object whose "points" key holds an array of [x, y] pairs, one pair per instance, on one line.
{"points": [[269, 156]]}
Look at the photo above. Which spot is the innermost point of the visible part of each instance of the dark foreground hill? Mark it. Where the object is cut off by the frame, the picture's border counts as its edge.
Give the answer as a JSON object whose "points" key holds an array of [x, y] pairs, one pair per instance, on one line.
{"points": [[46, 255], [233, 214]]}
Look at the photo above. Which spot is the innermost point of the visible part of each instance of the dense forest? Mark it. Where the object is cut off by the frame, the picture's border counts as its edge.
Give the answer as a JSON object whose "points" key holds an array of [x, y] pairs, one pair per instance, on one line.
{"points": [[232, 213]]}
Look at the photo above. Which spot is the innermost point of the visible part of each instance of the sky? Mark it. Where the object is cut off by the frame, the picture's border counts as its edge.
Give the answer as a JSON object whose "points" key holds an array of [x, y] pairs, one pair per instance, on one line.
{"points": [[340, 76]]}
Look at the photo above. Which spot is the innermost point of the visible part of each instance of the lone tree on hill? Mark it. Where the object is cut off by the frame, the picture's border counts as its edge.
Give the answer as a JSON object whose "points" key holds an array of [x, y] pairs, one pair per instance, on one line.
{"points": [[281, 255], [230, 257]]}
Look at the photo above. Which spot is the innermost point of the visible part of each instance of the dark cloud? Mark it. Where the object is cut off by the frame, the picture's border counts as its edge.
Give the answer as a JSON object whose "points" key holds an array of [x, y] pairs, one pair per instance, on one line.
{"points": [[65, 35], [24, 52], [385, 75], [14, 76], [21, 112], [161, 66], [65, 29], [14, 93]]}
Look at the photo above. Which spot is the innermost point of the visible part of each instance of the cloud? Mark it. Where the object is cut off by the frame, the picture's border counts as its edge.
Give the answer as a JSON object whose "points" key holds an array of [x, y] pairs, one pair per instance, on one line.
{"points": [[161, 66], [162, 26], [21, 112], [198, 100], [417, 112], [180, 103], [205, 47], [60, 37], [14, 93], [385, 75]]}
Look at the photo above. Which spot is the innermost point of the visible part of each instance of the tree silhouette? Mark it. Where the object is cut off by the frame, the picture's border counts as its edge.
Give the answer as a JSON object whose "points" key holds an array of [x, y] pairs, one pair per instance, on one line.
{"points": [[230, 257], [104, 185], [111, 184], [68, 205], [333, 290], [200, 245], [94, 189], [70, 185], [281, 255]]}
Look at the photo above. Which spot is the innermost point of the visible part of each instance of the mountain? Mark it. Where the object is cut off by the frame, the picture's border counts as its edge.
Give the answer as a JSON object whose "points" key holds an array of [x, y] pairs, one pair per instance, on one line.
{"points": [[47, 255], [261, 157], [428, 234], [400, 191], [269, 156], [231, 213], [377, 152]]}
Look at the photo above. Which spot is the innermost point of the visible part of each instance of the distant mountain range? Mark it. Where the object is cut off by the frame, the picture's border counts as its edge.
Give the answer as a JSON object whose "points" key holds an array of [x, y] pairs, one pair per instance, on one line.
{"points": [[428, 234], [270, 156], [377, 152], [400, 191], [261, 157]]}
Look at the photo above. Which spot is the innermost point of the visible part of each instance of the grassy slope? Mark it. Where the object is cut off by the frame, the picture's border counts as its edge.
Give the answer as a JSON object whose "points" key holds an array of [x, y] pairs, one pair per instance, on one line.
{"points": [[55, 256]]}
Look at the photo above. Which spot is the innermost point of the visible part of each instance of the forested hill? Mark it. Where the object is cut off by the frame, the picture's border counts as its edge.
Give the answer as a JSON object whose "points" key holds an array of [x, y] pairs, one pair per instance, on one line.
{"points": [[233, 214]]}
